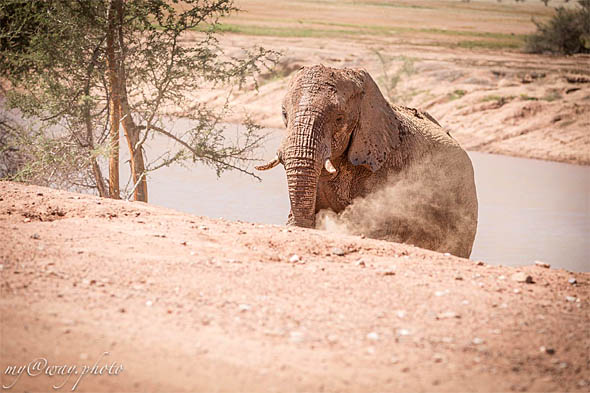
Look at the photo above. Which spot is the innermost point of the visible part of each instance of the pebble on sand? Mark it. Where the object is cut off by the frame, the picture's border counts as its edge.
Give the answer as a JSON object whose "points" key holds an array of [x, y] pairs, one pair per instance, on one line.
{"points": [[294, 258], [337, 251], [448, 315], [373, 336], [403, 332], [542, 264], [522, 277], [477, 341], [549, 351], [296, 337], [572, 280]]}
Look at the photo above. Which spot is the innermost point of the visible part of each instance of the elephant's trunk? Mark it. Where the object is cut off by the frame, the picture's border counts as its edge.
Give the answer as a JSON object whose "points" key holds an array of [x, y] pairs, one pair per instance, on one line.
{"points": [[304, 155]]}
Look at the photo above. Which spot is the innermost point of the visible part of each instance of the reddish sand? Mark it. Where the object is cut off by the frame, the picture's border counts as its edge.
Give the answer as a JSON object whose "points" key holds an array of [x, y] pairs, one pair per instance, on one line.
{"points": [[188, 303]]}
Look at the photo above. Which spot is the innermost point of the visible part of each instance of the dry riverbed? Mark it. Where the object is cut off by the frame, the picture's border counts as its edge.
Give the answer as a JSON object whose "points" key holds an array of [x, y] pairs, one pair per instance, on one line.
{"points": [[187, 303]]}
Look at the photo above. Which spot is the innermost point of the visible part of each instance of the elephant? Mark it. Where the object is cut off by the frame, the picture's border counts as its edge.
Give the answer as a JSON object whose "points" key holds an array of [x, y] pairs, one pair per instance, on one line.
{"points": [[386, 171]]}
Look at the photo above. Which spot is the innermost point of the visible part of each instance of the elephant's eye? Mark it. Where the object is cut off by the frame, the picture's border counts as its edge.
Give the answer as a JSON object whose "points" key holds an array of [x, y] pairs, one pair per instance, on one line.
{"points": [[285, 117]]}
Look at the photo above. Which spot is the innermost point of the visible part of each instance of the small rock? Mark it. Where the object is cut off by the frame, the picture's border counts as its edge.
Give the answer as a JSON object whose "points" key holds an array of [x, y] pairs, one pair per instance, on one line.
{"points": [[459, 278], [479, 263], [389, 273], [373, 336], [477, 341], [360, 263], [394, 359], [149, 303], [86, 281], [441, 293], [522, 277], [122, 310], [572, 280], [571, 298], [35, 236], [337, 251], [563, 365], [544, 265], [403, 332], [549, 351], [203, 227], [516, 290], [294, 258], [332, 338], [438, 358], [448, 315], [502, 277], [447, 254], [296, 337], [400, 314], [244, 307]]}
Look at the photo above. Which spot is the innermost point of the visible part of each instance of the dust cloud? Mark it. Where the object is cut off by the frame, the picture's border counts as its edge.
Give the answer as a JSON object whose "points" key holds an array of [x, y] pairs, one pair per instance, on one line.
{"points": [[415, 206]]}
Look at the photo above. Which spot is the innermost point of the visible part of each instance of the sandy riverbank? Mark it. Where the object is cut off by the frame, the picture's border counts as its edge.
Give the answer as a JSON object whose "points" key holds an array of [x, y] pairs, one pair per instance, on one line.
{"points": [[188, 303]]}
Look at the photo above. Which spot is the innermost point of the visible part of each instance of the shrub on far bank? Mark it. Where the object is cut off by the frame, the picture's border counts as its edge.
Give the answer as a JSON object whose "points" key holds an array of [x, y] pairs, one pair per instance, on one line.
{"points": [[568, 32]]}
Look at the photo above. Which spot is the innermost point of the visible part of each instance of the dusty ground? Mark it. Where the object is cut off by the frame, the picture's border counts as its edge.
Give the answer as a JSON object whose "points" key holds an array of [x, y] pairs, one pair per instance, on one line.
{"points": [[188, 303], [462, 62]]}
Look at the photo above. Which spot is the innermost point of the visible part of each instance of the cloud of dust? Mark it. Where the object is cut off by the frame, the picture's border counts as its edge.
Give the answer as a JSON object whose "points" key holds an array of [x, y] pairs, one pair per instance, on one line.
{"points": [[418, 205]]}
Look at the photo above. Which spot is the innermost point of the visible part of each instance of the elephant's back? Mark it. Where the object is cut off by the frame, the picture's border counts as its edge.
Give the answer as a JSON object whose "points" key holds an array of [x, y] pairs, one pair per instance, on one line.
{"points": [[422, 127]]}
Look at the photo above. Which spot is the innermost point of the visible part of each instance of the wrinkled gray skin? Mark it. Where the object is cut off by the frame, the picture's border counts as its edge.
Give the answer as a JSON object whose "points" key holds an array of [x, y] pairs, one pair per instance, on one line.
{"points": [[340, 115]]}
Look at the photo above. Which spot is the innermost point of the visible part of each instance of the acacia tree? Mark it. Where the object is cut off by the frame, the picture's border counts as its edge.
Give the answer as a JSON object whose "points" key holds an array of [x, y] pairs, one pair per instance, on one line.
{"points": [[82, 71]]}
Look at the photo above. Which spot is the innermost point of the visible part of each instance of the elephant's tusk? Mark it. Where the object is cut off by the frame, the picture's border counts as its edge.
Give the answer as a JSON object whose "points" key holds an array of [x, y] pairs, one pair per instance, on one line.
{"points": [[329, 167], [269, 165]]}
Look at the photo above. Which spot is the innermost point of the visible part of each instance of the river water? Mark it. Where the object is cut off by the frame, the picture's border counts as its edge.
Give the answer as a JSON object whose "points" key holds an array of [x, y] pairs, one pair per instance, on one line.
{"points": [[528, 209]]}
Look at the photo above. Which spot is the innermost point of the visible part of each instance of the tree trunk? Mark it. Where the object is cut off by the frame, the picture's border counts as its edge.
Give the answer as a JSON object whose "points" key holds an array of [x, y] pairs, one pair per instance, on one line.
{"points": [[132, 132], [115, 101], [102, 191]]}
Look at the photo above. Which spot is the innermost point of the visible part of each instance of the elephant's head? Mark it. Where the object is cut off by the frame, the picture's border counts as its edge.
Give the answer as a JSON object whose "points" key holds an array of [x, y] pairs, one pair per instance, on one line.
{"points": [[331, 115]]}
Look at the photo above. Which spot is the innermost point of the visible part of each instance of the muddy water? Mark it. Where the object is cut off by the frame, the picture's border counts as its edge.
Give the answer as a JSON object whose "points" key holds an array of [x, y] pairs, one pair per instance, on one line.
{"points": [[528, 209]]}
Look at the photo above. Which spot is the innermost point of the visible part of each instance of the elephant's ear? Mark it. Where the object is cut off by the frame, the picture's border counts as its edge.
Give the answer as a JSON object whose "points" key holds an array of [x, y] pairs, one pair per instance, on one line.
{"points": [[377, 133]]}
